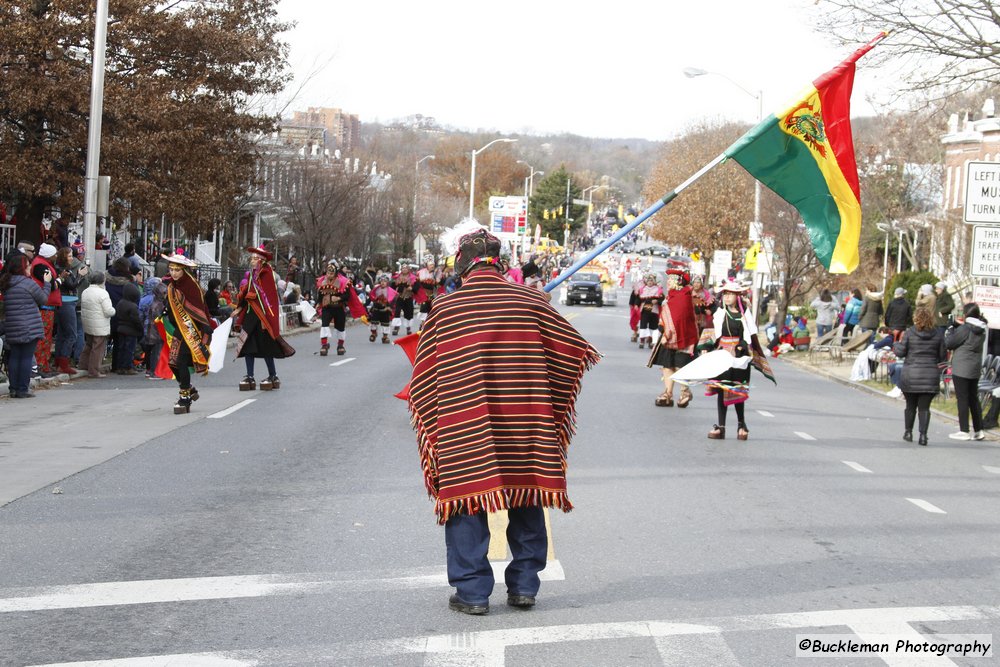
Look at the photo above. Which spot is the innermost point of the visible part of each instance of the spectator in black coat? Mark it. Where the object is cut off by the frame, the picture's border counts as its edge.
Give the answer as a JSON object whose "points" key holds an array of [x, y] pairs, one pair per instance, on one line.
{"points": [[128, 330], [923, 348], [967, 340], [899, 313]]}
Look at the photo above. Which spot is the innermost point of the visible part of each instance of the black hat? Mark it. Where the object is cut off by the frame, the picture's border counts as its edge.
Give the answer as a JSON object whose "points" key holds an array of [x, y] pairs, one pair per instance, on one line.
{"points": [[479, 247]]}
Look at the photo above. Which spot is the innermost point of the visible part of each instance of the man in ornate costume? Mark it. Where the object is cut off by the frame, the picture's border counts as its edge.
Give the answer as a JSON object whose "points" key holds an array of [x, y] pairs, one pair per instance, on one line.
{"points": [[495, 380], [335, 296], [257, 314], [187, 313], [429, 278], [382, 297], [405, 284], [650, 298]]}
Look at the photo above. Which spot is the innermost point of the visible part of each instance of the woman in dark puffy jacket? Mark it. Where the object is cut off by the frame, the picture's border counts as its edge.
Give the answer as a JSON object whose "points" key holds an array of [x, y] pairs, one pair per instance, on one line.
{"points": [[23, 324], [967, 341], [922, 346]]}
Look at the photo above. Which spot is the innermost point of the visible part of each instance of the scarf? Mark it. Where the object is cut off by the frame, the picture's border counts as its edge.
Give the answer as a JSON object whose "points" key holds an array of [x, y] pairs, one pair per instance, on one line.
{"points": [[261, 294], [187, 304], [492, 398], [680, 313]]}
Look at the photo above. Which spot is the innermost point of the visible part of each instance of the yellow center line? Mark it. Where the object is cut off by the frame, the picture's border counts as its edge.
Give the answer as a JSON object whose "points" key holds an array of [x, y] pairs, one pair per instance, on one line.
{"points": [[498, 536]]}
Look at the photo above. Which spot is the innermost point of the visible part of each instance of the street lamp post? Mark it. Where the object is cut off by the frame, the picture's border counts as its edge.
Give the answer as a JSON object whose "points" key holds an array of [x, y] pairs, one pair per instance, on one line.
{"points": [[756, 232], [94, 129], [472, 176], [589, 193], [416, 183]]}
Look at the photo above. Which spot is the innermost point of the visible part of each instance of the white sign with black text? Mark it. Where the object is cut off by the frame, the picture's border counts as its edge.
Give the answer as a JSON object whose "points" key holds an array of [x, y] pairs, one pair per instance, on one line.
{"points": [[985, 261], [982, 193]]}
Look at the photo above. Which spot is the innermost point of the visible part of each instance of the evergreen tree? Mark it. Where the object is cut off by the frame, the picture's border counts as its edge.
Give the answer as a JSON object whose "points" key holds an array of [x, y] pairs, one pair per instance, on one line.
{"points": [[550, 194]]}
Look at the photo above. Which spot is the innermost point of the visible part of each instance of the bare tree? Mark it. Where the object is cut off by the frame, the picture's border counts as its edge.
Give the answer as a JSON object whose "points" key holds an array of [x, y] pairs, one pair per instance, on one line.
{"points": [[937, 45]]}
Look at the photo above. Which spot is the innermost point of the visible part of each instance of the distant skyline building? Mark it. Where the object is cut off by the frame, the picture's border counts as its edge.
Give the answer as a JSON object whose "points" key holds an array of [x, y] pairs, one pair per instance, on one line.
{"points": [[343, 130]]}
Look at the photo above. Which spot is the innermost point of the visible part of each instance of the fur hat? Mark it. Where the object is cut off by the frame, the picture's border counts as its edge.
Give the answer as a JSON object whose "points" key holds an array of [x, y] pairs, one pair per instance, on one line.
{"points": [[264, 254], [733, 286], [180, 260], [478, 247], [46, 250]]}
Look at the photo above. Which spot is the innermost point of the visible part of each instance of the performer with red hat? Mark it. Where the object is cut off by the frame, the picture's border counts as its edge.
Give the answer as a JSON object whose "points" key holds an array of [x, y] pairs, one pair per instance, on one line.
{"points": [[405, 284], [429, 277], [257, 313], [675, 347], [187, 312], [333, 292], [382, 296]]}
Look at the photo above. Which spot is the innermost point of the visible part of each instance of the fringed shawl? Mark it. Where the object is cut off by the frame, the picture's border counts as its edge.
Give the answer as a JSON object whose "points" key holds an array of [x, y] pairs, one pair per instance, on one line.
{"points": [[492, 397], [261, 294], [187, 307]]}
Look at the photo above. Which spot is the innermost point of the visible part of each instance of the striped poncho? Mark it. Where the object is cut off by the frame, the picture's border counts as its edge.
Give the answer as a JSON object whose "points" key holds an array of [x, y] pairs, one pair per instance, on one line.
{"points": [[495, 381]]}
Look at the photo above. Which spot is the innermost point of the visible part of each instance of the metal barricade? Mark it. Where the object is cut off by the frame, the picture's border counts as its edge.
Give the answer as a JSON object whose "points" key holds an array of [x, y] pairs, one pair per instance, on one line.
{"points": [[289, 318]]}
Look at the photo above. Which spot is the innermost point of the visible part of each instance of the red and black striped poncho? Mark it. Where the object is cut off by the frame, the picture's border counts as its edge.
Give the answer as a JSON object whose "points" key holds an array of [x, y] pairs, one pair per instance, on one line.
{"points": [[495, 381]]}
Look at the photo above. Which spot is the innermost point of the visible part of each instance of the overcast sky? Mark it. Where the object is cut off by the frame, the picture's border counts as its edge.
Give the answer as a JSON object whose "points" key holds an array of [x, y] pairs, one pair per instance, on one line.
{"points": [[609, 69]]}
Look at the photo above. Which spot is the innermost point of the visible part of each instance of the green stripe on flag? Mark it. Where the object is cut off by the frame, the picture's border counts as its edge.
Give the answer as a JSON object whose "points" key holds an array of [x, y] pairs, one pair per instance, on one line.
{"points": [[785, 165]]}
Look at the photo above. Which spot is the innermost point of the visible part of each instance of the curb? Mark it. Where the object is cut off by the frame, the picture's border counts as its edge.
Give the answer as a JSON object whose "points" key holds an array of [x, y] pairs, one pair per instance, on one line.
{"points": [[819, 370], [56, 380]]}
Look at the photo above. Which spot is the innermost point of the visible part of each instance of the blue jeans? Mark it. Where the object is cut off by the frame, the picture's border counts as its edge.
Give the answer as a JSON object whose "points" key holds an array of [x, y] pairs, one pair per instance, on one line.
{"points": [[80, 341], [823, 329], [467, 540], [22, 357], [124, 352], [65, 329]]}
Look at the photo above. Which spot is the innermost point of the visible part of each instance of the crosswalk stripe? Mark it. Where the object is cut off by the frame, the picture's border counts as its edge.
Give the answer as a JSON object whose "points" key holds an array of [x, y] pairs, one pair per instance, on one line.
{"points": [[218, 588], [684, 650], [486, 647]]}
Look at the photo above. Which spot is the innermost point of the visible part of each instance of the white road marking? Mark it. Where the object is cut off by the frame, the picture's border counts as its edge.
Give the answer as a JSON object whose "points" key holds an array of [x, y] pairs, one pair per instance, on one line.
{"points": [[924, 505], [804, 436], [218, 588], [229, 411], [856, 466], [764, 413], [992, 469], [487, 647], [691, 649], [343, 361]]}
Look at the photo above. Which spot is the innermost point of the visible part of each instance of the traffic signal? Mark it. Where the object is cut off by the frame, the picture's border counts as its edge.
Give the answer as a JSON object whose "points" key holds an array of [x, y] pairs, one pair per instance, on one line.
{"points": [[560, 210], [545, 214]]}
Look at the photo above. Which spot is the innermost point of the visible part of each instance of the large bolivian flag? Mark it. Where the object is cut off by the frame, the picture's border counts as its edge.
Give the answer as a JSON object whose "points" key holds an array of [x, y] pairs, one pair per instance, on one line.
{"points": [[805, 154]]}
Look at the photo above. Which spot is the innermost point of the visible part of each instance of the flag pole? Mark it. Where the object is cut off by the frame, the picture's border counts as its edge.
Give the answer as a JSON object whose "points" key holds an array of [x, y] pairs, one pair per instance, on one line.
{"points": [[617, 236]]}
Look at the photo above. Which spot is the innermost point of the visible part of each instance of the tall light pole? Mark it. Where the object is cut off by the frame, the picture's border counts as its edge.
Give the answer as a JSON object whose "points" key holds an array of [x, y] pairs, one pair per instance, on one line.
{"points": [[472, 176], [589, 193], [756, 231], [94, 129], [416, 183]]}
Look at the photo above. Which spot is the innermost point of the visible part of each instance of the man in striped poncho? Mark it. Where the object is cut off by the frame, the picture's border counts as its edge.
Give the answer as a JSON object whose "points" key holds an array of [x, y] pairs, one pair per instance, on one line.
{"points": [[495, 380]]}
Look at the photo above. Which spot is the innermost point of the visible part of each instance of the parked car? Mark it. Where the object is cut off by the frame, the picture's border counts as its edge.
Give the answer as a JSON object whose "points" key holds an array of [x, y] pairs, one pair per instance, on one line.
{"points": [[655, 250], [585, 287]]}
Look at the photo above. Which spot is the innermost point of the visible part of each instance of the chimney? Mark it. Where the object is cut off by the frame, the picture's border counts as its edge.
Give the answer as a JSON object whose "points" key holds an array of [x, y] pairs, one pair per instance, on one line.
{"points": [[989, 108]]}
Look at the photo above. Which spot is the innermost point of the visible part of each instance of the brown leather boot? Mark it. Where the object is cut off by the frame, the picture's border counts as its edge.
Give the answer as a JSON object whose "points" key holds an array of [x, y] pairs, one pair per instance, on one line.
{"points": [[717, 433]]}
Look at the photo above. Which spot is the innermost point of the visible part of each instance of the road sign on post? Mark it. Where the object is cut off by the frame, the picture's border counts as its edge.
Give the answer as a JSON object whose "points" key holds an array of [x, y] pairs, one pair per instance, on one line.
{"points": [[419, 248]]}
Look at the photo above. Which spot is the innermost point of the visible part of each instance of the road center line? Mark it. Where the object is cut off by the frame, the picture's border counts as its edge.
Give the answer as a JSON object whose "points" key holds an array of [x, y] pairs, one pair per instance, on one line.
{"points": [[992, 469], [924, 505], [342, 361], [804, 436], [856, 466], [229, 411], [764, 413]]}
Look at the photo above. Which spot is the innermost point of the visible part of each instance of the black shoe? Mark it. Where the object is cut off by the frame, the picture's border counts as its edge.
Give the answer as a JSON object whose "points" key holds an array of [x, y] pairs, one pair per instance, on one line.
{"points": [[908, 436], [458, 604], [922, 440], [521, 601], [24, 394]]}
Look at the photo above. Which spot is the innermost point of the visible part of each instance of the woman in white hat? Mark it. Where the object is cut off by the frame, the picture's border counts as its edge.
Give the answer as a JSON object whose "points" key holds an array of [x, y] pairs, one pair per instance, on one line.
{"points": [[735, 332], [188, 315]]}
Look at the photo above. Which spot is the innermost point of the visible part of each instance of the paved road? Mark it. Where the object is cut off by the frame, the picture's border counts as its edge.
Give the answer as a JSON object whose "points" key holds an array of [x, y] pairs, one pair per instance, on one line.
{"points": [[295, 530]]}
